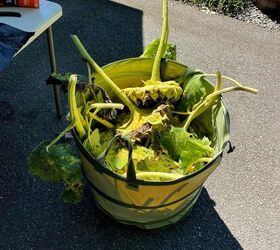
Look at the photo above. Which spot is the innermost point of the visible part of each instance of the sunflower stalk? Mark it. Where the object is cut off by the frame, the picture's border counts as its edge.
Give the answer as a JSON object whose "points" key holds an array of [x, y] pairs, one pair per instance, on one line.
{"points": [[211, 98]]}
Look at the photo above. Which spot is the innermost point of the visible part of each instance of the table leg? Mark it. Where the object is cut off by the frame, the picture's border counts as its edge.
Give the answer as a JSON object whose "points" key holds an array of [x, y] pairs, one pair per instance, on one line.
{"points": [[53, 69]]}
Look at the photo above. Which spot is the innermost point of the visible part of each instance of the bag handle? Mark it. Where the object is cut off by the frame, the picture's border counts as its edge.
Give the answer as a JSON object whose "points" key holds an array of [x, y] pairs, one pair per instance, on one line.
{"points": [[231, 147], [131, 174]]}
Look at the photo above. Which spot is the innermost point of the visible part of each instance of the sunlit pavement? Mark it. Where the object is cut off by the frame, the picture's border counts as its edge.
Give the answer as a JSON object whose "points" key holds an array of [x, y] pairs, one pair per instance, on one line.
{"points": [[239, 207]]}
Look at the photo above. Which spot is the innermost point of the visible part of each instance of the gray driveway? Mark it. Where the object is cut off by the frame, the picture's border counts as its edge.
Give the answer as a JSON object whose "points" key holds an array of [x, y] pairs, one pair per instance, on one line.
{"points": [[239, 206]]}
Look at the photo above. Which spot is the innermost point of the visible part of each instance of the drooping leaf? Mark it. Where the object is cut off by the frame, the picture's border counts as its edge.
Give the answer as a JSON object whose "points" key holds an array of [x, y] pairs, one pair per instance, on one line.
{"points": [[187, 75], [151, 50], [59, 164], [65, 161], [193, 93], [41, 163], [73, 193]]}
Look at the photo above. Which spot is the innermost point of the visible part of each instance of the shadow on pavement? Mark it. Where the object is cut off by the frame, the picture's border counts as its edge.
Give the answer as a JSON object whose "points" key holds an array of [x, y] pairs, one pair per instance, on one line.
{"points": [[202, 229], [109, 31], [32, 214]]}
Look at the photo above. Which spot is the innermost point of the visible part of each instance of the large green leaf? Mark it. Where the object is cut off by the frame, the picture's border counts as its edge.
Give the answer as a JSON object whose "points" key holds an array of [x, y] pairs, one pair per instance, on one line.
{"points": [[59, 164], [185, 147], [151, 50], [42, 164], [178, 139], [194, 92]]}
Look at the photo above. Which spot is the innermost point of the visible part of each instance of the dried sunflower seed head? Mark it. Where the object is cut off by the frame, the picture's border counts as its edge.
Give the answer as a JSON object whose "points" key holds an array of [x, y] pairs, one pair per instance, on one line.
{"points": [[154, 93]]}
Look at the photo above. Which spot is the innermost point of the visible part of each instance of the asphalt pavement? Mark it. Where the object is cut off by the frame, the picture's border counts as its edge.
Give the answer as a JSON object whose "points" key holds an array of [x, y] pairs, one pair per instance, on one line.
{"points": [[240, 203]]}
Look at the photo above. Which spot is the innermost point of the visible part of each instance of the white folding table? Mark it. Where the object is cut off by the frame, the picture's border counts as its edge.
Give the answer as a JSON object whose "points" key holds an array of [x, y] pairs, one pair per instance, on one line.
{"points": [[38, 21]]}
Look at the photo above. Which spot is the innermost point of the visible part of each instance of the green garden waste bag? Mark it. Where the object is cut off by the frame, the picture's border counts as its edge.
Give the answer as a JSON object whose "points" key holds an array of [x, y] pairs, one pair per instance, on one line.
{"points": [[147, 204]]}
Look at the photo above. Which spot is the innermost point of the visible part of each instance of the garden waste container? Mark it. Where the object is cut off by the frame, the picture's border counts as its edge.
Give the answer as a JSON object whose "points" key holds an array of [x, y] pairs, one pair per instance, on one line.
{"points": [[151, 204]]}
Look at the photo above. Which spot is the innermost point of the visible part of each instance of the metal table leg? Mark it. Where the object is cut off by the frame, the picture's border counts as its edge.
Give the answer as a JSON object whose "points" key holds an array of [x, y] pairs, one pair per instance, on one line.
{"points": [[53, 69]]}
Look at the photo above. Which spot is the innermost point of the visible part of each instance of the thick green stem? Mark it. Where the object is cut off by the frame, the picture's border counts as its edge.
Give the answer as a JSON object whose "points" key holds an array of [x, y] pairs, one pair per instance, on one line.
{"points": [[110, 83], [253, 90], [157, 175], [229, 89], [63, 133], [205, 159], [104, 106], [163, 40], [74, 112], [89, 132], [102, 121], [210, 99], [197, 111], [219, 81], [181, 113], [89, 74]]}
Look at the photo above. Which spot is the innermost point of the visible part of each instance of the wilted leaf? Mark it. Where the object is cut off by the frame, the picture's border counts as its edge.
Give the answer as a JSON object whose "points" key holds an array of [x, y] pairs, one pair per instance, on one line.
{"points": [[72, 194], [58, 165]]}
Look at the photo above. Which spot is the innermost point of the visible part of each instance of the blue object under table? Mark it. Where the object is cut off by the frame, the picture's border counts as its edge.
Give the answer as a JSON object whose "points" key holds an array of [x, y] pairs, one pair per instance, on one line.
{"points": [[11, 41]]}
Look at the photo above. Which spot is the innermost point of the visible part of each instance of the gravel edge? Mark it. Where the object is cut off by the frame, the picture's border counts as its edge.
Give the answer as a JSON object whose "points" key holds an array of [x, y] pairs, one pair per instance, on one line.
{"points": [[254, 15], [250, 15]]}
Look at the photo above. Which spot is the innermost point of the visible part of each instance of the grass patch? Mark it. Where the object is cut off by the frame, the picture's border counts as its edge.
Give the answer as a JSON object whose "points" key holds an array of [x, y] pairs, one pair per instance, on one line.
{"points": [[222, 6]]}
